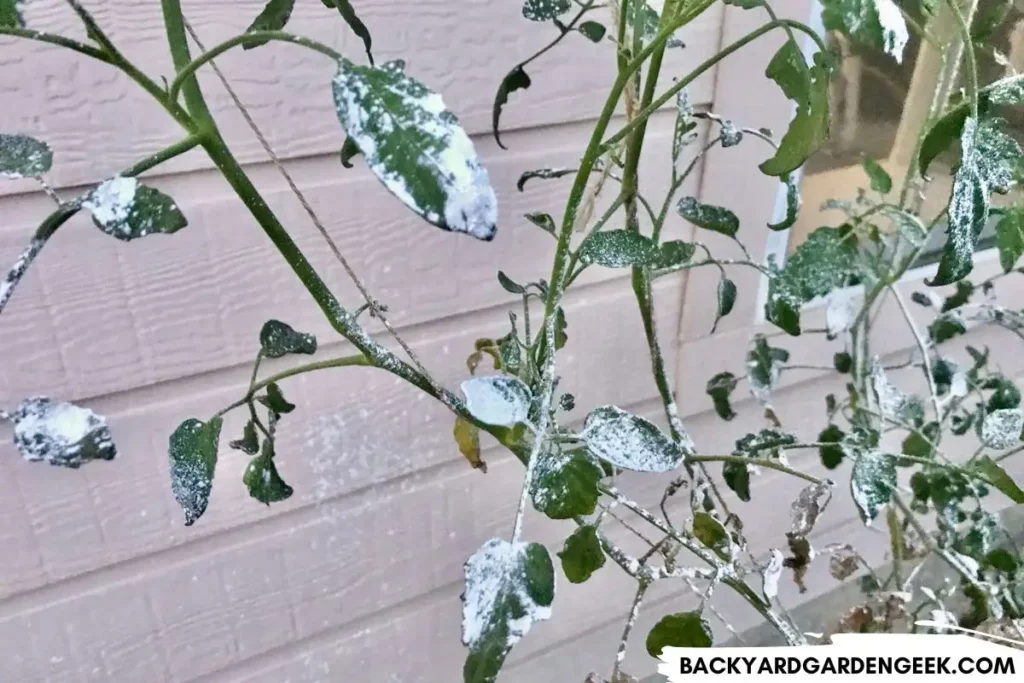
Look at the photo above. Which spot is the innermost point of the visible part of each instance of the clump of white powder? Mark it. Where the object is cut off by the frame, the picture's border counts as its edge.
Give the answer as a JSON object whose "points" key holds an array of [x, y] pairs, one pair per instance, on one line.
{"points": [[111, 202], [61, 433]]}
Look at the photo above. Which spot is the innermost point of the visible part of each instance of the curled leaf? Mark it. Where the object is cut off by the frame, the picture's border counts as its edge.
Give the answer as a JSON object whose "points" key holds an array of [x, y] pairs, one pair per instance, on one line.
{"points": [[262, 479], [467, 436], [273, 18], [279, 339], [348, 13], [719, 388], [516, 79]]}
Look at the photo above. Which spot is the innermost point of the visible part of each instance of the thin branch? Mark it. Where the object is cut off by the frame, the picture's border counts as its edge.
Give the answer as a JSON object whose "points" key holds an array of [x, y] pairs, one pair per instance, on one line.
{"points": [[923, 346], [744, 460], [634, 612]]}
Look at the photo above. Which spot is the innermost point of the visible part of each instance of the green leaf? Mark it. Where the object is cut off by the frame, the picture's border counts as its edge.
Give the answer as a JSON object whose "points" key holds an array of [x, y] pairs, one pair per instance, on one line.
{"points": [[709, 217], [348, 13], [712, 534], [582, 554], [793, 204], [193, 455], [826, 261], [617, 249], [685, 131], [60, 434], [1005, 394], [649, 21], [593, 31], [509, 587], [881, 181], [766, 444], [1010, 237], [745, 4], [945, 327], [416, 147], [273, 18], [349, 151], [842, 362], [831, 456], [564, 484], [510, 285], [262, 479], [543, 174], [872, 483], [275, 400], [545, 10], [987, 159], [998, 477], [964, 291], [726, 300], [544, 221], [919, 443], [737, 478], [126, 209], [10, 13], [808, 87], [877, 24], [560, 326], [629, 441], [673, 254], [500, 401], [250, 442], [764, 365], [686, 629], [516, 79], [719, 388], [279, 339], [20, 155]]}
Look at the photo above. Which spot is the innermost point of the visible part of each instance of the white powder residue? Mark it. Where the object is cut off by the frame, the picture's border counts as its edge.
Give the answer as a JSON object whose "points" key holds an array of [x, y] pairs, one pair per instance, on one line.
{"points": [[840, 312], [416, 147], [60, 433], [1002, 428], [496, 577], [872, 483], [771, 574], [891, 401], [894, 28], [629, 441], [18, 270], [20, 155], [809, 505], [501, 401], [112, 201]]}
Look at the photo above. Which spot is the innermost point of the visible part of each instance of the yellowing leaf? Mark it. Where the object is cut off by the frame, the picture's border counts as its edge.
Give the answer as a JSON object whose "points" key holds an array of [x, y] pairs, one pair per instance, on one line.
{"points": [[467, 436]]}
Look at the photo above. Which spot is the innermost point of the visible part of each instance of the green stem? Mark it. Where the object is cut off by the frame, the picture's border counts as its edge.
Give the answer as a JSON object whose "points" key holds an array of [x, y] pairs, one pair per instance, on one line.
{"points": [[972, 63], [704, 66], [54, 39], [186, 72], [744, 460]]}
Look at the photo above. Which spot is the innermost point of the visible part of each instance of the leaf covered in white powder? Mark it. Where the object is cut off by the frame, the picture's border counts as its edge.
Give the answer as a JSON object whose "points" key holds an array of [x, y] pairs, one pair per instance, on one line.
{"points": [[564, 484], [629, 441], [1001, 428], [279, 339], [809, 505], [416, 147], [771, 574], [500, 401], [875, 23], [509, 587], [20, 155], [61, 434], [193, 455], [764, 367], [544, 10], [649, 21], [872, 483], [126, 209]]}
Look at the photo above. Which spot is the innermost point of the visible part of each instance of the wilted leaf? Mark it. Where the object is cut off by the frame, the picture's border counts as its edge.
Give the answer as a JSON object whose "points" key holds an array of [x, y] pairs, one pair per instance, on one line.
{"points": [[987, 159], [771, 574], [545, 10], [516, 79], [416, 147], [872, 483], [509, 587], [1001, 429], [1010, 238], [712, 534], [593, 31], [737, 478], [262, 479], [709, 217], [544, 221], [878, 24], [998, 477], [945, 327], [126, 209], [510, 285], [20, 155], [349, 151], [582, 554], [348, 13], [279, 339], [275, 400], [826, 261], [193, 455], [629, 441], [617, 249], [764, 366], [964, 292], [881, 181], [793, 204], [808, 87], [500, 401], [467, 436], [719, 388], [61, 434], [808, 506], [543, 174], [686, 629], [564, 484], [844, 563], [273, 18], [250, 441]]}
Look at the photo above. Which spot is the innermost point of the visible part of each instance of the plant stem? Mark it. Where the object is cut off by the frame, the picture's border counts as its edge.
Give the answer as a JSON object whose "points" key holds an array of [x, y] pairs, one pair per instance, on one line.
{"points": [[53, 39], [767, 464], [972, 63], [253, 37], [634, 612]]}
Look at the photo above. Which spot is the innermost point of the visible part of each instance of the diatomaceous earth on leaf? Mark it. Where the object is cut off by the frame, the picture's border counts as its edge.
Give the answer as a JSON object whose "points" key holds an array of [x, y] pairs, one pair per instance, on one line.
{"points": [[416, 147], [509, 587], [877, 23], [60, 433], [630, 441], [501, 401], [193, 455], [126, 209], [1001, 428], [22, 156]]}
